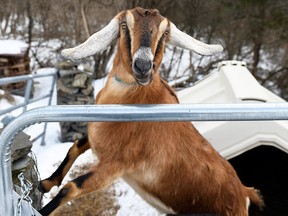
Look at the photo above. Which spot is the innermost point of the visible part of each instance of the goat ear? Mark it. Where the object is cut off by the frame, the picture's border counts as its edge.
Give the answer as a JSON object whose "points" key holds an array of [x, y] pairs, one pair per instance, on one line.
{"points": [[96, 43], [183, 40]]}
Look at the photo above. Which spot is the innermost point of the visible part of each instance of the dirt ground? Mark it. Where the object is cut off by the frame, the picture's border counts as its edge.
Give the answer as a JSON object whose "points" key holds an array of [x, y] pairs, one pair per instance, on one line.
{"points": [[101, 203]]}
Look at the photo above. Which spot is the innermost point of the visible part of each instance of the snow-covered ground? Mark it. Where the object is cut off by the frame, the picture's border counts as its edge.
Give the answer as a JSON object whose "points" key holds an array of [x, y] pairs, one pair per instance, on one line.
{"points": [[54, 152]]}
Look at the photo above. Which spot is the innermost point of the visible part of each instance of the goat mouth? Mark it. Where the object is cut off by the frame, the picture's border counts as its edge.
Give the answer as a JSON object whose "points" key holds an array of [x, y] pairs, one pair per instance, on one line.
{"points": [[144, 81]]}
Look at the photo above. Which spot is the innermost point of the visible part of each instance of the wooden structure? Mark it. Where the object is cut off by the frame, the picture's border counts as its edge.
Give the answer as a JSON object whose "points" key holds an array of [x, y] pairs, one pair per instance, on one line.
{"points": [[14, 61]]}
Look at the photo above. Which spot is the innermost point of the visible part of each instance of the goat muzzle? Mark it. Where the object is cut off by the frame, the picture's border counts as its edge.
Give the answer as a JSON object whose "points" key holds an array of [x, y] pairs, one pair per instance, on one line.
{"points": [[142, 70], [142, 65]]}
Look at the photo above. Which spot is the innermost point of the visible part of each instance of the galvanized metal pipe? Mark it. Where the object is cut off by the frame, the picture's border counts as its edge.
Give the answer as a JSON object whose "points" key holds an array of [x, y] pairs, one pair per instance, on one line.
{"points": [[49, 104], [125, 113], [29, 78], [14, 79], [27, 93]]}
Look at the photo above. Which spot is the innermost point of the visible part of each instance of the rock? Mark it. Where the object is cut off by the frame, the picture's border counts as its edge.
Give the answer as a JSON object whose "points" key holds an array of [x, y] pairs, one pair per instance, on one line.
{"points": [[66, 65], [88, 90], [66, 89], [80, 80], [68, 80], [65, 73], [27, 166], [74, 88], [22, 161], [85, 99], [21, 146]]}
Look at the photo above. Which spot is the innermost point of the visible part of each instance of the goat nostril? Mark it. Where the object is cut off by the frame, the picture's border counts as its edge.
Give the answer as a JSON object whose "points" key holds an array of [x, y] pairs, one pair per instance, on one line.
{"points": [[142, 66]]}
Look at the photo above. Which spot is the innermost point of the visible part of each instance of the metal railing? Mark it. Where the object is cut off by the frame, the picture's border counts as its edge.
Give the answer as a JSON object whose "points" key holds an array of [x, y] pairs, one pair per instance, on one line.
{"points": [[124, 113], [27, 100]]}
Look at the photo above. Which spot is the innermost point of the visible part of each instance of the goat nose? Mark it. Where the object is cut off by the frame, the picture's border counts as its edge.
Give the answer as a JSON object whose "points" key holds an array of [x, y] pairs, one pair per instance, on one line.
{"points": [[142, 66]]}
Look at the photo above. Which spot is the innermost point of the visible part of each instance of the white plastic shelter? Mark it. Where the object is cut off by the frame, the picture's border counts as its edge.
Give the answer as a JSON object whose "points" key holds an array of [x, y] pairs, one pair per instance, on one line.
{"points": [[233, 83]]}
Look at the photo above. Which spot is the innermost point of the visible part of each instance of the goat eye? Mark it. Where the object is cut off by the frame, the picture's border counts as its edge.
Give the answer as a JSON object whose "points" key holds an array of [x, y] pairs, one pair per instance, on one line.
{"points": [[166, 33], [123, 26]]}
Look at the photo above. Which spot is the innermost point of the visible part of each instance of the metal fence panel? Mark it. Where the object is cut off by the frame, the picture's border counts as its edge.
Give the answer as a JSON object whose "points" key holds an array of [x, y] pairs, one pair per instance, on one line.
{"points": [[125, 113], [27, 100]]}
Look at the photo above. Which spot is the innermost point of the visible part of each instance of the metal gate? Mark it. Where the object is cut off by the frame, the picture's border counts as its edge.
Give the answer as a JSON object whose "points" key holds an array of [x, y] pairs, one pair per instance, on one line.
{"points": [[123, 113], [27, 100]]}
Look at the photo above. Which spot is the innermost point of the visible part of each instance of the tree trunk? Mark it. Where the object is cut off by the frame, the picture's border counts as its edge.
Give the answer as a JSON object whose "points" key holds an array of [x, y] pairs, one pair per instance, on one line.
{"points": [[256, 57]]}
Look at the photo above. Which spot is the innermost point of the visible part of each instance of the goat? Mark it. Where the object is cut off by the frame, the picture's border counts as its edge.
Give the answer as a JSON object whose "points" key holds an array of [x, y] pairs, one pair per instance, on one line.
{"points": [[169, 164]]}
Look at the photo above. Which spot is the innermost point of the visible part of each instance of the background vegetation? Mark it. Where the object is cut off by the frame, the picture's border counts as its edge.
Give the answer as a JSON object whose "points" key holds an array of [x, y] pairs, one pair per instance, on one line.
{"points": [[251, 30]]}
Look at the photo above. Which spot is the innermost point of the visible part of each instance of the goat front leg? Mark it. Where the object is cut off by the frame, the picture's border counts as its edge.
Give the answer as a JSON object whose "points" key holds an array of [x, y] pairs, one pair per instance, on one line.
{"points": [[100, 177], [79, 147]]}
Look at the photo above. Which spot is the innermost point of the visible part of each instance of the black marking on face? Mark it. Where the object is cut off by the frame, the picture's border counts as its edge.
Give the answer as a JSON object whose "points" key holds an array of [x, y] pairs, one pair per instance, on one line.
{"points": [[146, 36], [160, 44], [128, 42], [79, 181], [146, 39]]}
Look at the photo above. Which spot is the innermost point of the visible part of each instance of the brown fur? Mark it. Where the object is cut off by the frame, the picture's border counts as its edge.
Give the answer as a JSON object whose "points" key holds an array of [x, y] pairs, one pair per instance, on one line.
{"points": [[169, 164]]}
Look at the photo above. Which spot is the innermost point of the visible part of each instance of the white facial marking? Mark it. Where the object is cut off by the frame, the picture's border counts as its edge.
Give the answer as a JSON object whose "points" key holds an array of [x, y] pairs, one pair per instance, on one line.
{"points": [[247, 203], [163, 26], [130, 24], [144, 53], [130, 19]]}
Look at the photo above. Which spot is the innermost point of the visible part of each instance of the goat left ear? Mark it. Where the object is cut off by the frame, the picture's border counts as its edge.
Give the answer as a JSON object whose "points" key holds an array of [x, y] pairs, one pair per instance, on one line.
{"points": [[181, 39], [96, 43]]}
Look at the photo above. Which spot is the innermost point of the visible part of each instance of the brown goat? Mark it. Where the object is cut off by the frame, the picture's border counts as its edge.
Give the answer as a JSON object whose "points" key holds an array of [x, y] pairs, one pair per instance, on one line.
{"points": [[169, 164]]}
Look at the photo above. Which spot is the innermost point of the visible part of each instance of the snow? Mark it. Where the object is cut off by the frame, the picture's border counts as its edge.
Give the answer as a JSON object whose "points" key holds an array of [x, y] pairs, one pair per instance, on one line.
{"points": [[12, 47], [50, 155]]}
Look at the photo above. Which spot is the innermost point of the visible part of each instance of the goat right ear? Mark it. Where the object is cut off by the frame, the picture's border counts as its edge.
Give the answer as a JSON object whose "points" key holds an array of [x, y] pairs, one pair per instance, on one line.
{"points": [[96, 43], [183, 40]]}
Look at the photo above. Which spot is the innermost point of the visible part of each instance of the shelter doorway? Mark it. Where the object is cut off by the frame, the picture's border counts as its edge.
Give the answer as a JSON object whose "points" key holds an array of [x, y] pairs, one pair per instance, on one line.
{"points": [[265, 168]]}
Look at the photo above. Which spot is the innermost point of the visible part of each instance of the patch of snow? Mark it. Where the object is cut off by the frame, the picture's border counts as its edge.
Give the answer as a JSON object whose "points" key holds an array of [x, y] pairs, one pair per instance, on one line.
{"points": [[98, 85], [46, 51], [131, 204], [12, 47]]}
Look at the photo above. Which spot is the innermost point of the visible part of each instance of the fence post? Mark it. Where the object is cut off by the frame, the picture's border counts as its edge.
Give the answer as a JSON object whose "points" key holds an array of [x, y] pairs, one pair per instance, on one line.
{"points": [[27, 92]]}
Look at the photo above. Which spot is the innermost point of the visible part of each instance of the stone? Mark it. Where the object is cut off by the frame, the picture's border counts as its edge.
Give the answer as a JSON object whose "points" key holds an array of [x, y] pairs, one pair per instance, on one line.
{"points": [[74, 88], [66, 65], [23, 161], [65, 73], [88, 90], [66, 89], [27, 166], [21, 146], [80, 80]]}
